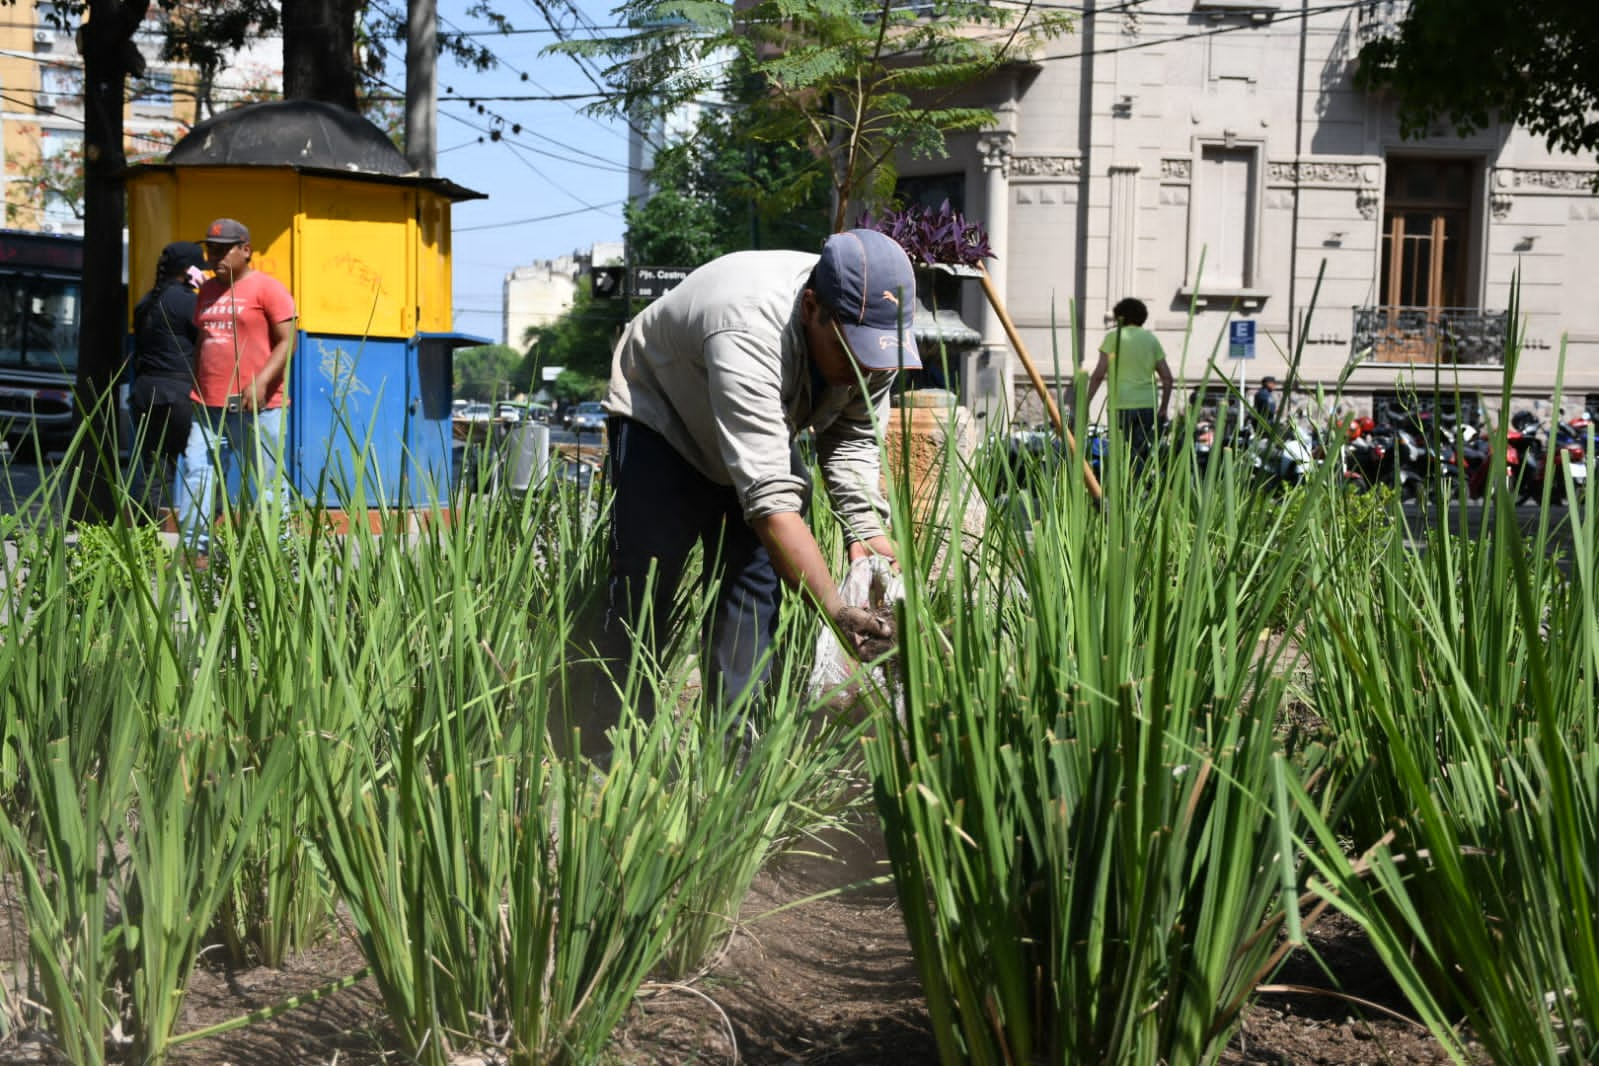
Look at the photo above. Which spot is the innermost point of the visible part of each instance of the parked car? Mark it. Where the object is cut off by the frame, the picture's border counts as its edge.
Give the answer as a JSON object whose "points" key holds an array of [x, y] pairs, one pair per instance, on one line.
{"points": [[506, 411], [586, 417]]}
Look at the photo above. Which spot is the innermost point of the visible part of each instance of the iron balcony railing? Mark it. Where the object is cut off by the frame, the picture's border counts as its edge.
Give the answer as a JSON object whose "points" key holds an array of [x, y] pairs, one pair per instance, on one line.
{"points": [[1378, 20], [1451, 335]]}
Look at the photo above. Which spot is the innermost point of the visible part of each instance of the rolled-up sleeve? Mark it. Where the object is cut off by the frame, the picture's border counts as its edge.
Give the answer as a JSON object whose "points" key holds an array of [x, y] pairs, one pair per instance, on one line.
{"points": [[752, 431], [850, 454]]}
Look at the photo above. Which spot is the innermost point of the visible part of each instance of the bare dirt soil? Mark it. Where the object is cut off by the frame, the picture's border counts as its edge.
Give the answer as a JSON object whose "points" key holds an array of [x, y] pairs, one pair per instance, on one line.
{"points": [[830, 980]]}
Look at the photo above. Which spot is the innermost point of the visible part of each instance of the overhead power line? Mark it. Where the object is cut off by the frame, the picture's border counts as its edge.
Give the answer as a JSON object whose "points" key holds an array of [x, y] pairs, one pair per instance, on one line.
{"points": [[539, 218]]}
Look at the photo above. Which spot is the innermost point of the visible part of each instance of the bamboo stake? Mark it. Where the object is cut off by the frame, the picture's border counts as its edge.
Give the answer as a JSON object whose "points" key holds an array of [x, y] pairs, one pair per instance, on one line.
{"points": [[998, 305]]}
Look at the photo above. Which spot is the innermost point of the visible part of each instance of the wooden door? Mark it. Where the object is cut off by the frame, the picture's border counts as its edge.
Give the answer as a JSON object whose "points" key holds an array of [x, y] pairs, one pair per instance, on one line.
{"points": [[1426, 231]]}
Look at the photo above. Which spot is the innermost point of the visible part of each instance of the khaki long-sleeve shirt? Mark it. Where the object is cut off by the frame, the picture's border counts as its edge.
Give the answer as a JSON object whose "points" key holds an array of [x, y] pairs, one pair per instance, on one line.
{"points": [[718, 366]]}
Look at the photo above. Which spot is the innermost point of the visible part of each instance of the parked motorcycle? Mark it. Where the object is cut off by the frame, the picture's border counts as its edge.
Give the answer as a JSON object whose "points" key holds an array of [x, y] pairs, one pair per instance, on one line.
{"points": [[1552, 455], [1368, 454]]}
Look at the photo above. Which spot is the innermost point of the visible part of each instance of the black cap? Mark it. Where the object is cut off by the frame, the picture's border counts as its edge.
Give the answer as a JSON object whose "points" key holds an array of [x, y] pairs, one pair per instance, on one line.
{"points": [[178, 257]]}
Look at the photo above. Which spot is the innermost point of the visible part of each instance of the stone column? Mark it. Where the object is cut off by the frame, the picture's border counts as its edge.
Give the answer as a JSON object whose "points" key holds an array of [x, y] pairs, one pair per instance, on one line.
{"points": [[994, 148]]}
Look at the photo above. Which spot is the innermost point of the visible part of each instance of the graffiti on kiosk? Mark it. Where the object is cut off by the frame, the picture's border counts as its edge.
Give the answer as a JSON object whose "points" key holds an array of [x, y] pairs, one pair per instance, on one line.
{"points": [[339, 370], [357, 270]]}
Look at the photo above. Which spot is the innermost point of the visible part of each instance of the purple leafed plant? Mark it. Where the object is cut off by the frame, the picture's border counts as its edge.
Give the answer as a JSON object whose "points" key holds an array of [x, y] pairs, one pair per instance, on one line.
{"points": [[934, 237]]}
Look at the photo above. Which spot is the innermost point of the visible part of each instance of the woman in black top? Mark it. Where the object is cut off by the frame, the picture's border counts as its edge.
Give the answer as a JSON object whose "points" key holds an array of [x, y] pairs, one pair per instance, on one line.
{"points": [[164, 336]]}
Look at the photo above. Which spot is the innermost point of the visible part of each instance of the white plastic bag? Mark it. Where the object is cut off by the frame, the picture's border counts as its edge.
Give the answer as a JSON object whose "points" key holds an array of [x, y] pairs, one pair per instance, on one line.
{"points": [[837, 678]]}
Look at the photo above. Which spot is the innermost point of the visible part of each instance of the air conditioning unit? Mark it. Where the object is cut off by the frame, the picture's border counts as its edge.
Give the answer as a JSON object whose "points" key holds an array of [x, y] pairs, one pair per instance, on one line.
{"points": [[44, 102], [47, 227], [43, 37]]}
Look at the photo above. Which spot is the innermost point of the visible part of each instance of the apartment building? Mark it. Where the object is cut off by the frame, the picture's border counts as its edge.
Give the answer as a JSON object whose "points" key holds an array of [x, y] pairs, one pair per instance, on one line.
{"points": [[41, 108], [541, 292], [538, 294]]}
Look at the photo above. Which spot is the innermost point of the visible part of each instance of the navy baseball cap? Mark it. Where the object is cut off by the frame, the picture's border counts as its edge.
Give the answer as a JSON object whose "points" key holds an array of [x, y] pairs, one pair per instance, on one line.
{"points": [[865, 278]]}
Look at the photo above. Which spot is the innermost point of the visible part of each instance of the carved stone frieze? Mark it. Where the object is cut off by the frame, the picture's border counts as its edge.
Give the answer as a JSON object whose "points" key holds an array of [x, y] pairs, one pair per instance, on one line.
{"points": [[1176, 169], [1544, 181], [1325, 173], [1046, 167]]}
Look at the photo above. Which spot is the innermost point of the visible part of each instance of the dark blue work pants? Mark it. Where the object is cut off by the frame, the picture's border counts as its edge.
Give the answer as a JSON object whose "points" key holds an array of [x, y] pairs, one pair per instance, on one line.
{"points": [[662, 508]]}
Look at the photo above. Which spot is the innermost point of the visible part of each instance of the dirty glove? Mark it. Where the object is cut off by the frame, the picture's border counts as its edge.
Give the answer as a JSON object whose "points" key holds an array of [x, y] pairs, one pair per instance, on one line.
{"points": [[868, 632]]}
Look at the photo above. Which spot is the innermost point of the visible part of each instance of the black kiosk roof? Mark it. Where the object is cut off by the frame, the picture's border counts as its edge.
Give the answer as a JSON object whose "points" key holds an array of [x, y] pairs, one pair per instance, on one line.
{"points": [[304, 134]]}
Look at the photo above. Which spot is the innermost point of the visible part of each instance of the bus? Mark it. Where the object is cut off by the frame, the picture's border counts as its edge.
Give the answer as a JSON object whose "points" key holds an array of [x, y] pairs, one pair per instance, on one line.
{"points": [[41, 306]]}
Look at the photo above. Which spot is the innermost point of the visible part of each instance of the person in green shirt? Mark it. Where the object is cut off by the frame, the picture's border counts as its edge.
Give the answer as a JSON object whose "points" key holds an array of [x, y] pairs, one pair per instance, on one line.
{"points": [[1132, 358]]}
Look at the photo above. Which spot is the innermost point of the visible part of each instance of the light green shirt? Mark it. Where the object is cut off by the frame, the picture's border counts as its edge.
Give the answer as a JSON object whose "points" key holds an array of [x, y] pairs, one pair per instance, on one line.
{"points": [[1133, 352]]}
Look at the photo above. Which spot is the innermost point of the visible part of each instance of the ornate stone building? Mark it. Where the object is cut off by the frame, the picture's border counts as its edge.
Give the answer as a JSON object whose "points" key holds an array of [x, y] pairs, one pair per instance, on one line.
{"points": [[1165, 134]]}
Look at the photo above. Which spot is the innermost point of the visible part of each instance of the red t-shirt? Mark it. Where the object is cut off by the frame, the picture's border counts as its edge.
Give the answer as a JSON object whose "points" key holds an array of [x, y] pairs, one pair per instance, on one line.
{"points": [[236, 336]]}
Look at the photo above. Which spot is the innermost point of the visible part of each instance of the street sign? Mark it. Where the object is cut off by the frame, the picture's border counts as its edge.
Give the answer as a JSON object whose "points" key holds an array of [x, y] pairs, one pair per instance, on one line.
{"points": [[550, 373], [652, 282], [1241, 339]]}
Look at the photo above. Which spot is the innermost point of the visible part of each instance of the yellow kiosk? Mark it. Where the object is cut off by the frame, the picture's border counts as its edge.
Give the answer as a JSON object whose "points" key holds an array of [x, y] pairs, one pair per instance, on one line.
{"points": [[363, 243]]}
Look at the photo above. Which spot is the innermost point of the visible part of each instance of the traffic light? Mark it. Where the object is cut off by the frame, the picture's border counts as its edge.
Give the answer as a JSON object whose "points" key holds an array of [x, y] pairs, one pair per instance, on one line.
{"points": [[606, 282]]}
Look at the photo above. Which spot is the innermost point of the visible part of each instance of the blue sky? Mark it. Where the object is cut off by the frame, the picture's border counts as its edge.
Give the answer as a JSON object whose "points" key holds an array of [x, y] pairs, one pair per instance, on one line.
{"points": [[555, 187]]}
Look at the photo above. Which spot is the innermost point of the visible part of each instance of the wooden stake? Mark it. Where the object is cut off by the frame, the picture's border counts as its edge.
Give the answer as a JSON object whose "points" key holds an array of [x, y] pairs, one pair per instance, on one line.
{"points": [[998, 305]]}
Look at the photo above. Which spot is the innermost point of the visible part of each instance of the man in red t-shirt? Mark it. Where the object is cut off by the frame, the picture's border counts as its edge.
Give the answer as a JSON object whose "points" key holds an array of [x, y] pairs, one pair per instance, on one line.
{"points": [[247, 329]]}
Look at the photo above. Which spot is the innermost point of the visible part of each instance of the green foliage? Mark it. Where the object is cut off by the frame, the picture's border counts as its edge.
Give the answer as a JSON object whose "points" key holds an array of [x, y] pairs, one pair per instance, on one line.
{"points": [[123, 557], [1103, 830], [850, 81], [680, 224], [44, 179], [1474, 62], [572, 387], [1359, 527], [1460, 680], [367, 722], [579, 342], [726, 190], [1082, 801], [487, 372]]}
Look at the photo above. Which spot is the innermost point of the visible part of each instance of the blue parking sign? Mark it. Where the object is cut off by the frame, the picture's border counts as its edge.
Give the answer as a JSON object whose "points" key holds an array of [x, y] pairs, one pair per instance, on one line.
{"points": [[1241, 339]]}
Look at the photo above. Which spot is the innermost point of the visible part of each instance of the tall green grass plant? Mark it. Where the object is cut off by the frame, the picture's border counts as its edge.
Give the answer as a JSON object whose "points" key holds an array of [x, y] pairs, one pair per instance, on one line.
{"points": [[1085, 805], [1460, 678]]}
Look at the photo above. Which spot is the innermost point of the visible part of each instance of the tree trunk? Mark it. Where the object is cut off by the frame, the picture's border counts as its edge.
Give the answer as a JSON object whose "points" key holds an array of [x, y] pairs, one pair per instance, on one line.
{"points": [[108, 53], [319, 51]]}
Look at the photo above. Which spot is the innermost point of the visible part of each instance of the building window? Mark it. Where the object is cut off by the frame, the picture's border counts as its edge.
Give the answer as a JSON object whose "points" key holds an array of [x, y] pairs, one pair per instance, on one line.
{"points": [[1427, 228], [154, 88], [1425, 312], [1223, 217], [932, 190]]}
